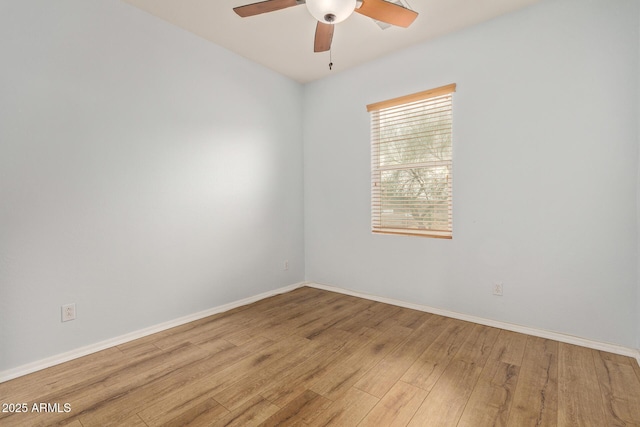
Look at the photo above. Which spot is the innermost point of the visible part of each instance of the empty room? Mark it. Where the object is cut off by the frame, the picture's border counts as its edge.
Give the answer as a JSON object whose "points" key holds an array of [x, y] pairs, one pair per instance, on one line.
{"points": [[320, 212]]}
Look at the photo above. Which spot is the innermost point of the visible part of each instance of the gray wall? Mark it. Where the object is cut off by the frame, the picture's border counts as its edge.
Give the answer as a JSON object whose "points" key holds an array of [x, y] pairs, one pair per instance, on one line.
{"points": [[145, 174], [545, 172]]}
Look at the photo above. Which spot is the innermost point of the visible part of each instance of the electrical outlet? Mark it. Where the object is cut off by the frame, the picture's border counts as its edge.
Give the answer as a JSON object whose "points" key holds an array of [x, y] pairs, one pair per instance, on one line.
{"points": [[286, 265], [68, 312], [497, 289]]}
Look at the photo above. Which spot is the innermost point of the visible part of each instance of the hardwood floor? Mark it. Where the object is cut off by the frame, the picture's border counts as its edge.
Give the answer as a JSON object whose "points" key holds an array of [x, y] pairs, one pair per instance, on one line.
{"points": [[316, 358]]}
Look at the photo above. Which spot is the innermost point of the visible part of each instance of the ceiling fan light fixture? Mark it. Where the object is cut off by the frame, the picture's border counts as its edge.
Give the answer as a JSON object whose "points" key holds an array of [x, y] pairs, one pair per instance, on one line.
{"points": [[331, 11]]}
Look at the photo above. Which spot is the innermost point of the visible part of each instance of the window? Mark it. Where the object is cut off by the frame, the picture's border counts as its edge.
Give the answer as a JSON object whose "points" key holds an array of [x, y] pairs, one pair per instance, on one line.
{"points": [[411, 156]]}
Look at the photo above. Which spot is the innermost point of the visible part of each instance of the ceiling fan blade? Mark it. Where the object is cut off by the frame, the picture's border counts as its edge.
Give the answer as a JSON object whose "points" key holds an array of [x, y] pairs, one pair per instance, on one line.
{"points": [[324, 35], [390, 13], [265, 6]]}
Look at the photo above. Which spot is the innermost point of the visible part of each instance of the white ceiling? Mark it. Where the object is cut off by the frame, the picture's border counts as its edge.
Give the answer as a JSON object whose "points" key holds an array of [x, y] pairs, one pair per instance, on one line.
{"points": [[283, 40]]}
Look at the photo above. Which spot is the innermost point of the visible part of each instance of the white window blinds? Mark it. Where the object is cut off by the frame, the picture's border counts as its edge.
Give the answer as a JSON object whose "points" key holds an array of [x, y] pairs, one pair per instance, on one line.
{"points": [[411, 151]]}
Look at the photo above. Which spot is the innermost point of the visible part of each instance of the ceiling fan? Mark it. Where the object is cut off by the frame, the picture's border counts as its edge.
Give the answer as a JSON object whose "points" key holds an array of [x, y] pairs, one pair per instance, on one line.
{"points": [[330, 12]]}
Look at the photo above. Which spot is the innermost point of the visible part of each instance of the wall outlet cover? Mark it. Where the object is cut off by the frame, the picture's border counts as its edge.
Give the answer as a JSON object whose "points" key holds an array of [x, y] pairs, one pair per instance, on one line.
{"points": [[497, 288], [68, 312]]}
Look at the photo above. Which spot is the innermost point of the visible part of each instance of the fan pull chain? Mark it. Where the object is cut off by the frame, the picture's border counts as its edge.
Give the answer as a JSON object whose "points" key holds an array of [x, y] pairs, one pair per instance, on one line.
{"points": [[330, 60]]}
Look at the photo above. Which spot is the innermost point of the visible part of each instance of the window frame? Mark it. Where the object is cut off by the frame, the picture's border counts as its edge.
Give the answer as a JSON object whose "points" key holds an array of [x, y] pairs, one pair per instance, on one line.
{"points": [[406, 103]]}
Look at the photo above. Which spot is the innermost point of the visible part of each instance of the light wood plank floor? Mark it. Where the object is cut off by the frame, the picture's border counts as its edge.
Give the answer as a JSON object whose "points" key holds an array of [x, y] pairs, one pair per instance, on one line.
{"points": [[316, 358]]}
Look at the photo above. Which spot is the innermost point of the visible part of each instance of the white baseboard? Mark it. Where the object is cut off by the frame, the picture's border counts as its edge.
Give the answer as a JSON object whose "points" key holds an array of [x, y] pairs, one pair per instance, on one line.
{"points": [[93, 348], [569, 339]]}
